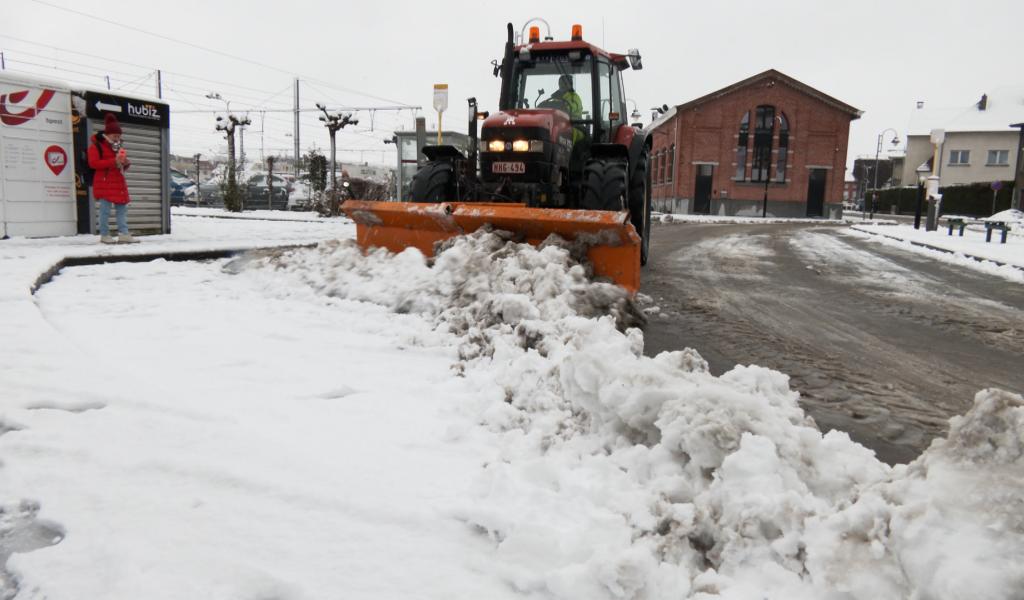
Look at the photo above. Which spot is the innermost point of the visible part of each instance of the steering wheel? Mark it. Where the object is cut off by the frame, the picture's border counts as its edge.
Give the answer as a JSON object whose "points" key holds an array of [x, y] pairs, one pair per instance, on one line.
{"points": [[556, 104]]}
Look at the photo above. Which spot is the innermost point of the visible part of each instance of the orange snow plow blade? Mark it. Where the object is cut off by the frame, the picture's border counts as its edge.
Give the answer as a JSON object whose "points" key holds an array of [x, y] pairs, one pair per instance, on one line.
{"points": [[614, 247]]}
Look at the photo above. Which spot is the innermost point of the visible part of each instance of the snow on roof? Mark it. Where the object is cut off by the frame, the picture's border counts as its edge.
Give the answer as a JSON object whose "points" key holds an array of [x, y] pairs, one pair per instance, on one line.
{"points": [[32, 79], [1005, 105], [662, 118]]}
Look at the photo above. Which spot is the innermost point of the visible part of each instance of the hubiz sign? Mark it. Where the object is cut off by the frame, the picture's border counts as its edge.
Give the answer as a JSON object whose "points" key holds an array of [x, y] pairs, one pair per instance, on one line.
{"points": [[128, 110], [143, 111]]}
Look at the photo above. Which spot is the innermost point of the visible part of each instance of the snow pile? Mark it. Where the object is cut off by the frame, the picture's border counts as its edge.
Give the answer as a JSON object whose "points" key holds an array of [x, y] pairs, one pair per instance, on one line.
{"points": [[624, 476], [1011, 215]]}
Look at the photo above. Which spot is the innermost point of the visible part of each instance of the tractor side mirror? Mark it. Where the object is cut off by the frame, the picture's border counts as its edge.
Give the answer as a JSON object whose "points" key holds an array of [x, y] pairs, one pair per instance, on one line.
{"points": [[634, 59], [497, 67]]}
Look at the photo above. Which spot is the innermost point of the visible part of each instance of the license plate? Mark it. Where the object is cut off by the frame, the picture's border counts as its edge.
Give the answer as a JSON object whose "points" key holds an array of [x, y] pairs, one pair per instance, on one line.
{"points": [[508, 168]]}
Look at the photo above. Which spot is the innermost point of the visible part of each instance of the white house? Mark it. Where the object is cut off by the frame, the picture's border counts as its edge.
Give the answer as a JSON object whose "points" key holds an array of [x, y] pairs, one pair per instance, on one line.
{"points": [[980, 144]]}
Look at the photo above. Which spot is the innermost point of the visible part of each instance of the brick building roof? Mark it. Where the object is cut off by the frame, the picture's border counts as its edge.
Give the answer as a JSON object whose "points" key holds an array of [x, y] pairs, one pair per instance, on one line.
{"points": [[780, 77]]}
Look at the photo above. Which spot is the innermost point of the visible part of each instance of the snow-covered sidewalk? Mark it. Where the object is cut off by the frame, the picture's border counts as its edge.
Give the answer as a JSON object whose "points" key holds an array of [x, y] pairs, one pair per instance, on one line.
{"points": [[24, 259], [319, 423], [256, 215], [971, 250]]}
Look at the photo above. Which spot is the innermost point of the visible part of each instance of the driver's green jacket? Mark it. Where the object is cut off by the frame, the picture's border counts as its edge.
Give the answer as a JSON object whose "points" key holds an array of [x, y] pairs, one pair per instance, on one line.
{"points": [[575, 105]]}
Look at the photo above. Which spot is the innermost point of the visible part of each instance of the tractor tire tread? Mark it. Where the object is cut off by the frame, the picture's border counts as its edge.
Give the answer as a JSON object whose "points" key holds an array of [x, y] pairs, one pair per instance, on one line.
{"points": [[433, 183], [604, 185]]}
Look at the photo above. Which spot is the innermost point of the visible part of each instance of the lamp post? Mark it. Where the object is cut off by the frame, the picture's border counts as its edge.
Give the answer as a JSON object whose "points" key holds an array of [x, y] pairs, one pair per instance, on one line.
{"points": [[922, 177], [938, 136], [878, 150], [1018, 186]]}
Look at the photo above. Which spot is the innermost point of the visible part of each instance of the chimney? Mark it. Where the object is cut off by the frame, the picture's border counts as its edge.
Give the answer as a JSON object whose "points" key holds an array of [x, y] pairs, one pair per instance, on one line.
{"points": [[983, 103], [920, 104]]}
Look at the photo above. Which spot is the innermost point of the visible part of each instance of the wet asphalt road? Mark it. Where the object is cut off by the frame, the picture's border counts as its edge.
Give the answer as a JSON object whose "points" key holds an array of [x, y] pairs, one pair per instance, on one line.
{"points": [[882, 343]]}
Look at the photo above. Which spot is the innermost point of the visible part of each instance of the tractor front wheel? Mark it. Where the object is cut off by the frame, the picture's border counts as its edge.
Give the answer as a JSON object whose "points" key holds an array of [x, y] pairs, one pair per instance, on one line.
{"points": [[435, 182], [604, 185], [640, 204]]}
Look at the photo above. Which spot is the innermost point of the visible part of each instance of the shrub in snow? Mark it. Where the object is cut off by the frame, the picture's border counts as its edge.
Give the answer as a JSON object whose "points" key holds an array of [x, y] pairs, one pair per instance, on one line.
{"points": [[626, 476]]}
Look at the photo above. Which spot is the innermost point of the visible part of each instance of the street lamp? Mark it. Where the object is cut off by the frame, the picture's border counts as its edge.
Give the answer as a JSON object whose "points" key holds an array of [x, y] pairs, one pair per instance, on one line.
{"points": [[878, 150], [217, 96], [635, 115], [1018, 186], [922, 178]]}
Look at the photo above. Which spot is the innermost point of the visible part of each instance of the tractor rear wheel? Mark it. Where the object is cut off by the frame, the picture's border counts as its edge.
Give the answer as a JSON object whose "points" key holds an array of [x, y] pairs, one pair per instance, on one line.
{"points": [[435, 182], [640, 204], [604, 185]]}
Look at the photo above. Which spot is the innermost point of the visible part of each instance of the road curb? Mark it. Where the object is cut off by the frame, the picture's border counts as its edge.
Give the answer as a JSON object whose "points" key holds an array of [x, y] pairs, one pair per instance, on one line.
{"points": [[944, 250], [170, 255]]}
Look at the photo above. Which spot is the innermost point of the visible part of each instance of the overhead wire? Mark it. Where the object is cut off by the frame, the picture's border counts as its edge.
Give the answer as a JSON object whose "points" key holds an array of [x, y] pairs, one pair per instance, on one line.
{"points": [[95, 77], [211, 50]]}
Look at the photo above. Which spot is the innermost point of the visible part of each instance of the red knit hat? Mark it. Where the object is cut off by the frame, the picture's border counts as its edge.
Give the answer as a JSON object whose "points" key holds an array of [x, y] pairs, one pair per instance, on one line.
{"points": [[110, 124]]}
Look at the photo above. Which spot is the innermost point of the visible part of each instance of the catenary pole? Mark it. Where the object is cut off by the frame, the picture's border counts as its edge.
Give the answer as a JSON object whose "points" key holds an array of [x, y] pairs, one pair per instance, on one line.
{"points": [[297, 146]]}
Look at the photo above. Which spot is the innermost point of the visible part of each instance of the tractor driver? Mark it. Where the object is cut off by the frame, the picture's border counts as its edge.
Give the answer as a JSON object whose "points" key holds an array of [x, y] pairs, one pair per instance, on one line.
{"points": [[572, 102]]}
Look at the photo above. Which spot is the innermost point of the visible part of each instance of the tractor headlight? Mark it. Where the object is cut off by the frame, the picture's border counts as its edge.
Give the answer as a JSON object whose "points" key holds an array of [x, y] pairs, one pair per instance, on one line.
{"points": [[528, 146], [496, 146]]}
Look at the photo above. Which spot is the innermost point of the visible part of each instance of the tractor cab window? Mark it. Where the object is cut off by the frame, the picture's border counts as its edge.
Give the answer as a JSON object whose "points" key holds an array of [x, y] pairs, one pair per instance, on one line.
{"points": [[555, 81], [612, 106]]}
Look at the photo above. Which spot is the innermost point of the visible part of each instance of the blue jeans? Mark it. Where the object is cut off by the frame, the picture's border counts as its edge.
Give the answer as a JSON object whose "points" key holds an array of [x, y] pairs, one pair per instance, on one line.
{"points": [[121, 214]]}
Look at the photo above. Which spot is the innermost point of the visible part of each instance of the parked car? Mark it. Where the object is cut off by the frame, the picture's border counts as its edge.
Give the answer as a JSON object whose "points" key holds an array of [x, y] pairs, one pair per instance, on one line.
{"points": [[257, 192], [182, 189], [300, 197], [211, 193]]}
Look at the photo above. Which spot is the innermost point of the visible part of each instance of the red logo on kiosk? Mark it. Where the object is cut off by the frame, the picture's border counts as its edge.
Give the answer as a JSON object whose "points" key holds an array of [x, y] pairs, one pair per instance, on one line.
{"points": [[56, 159], [10, 118]]}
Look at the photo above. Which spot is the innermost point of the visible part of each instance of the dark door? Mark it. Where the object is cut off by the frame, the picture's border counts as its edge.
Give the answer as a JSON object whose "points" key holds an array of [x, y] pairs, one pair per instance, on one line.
{"points": [[702, 189], [816, 192]]}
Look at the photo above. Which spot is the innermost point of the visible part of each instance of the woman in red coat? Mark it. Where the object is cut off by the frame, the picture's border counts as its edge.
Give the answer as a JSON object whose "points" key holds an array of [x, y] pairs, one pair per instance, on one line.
{"points": [[109, 161]]}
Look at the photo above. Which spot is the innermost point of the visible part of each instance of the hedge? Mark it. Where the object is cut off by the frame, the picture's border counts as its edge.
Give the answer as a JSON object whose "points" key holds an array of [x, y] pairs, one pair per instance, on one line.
{"points": [[974, 200]]}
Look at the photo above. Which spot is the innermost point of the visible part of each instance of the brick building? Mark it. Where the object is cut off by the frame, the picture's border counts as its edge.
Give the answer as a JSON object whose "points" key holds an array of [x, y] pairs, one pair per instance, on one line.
{"points": [[721, 153]]}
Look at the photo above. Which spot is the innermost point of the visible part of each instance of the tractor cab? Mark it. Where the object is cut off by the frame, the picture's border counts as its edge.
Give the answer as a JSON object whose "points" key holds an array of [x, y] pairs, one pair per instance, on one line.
{"points": [[575, 78]]}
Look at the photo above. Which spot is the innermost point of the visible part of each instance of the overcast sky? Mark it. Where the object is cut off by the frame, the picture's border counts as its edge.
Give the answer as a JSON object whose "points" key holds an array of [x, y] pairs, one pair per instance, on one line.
{"points": [[879, 56]]}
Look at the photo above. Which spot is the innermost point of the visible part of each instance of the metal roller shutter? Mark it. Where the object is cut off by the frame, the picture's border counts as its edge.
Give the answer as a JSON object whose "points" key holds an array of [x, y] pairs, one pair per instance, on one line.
{"points": [[146, 178]]}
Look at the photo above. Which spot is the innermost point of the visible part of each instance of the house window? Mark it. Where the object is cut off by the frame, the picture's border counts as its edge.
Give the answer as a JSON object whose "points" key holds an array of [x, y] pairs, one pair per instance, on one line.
{"points": [[661, 167], [959, 157], [764, 127], [741, 147], [671, 161], [998, 158], [780, 163]]}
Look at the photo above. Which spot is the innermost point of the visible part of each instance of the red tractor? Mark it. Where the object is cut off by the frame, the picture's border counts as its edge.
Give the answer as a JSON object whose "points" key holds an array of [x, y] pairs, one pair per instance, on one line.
{"points": [[561, 140]]}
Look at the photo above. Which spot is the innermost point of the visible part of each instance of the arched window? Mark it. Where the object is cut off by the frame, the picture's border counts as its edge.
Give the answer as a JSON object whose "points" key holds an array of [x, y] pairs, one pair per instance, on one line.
{"points": [[741, 147], [781, 162], [764, 127]]}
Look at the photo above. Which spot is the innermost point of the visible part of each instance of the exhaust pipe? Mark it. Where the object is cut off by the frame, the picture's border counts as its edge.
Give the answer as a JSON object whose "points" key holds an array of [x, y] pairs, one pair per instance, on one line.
{"points": [[506, 70]]}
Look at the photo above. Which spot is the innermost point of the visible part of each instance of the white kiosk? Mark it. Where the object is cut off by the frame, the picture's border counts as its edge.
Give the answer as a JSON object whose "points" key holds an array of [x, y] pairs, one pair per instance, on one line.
{"points": [[37, 176]]}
